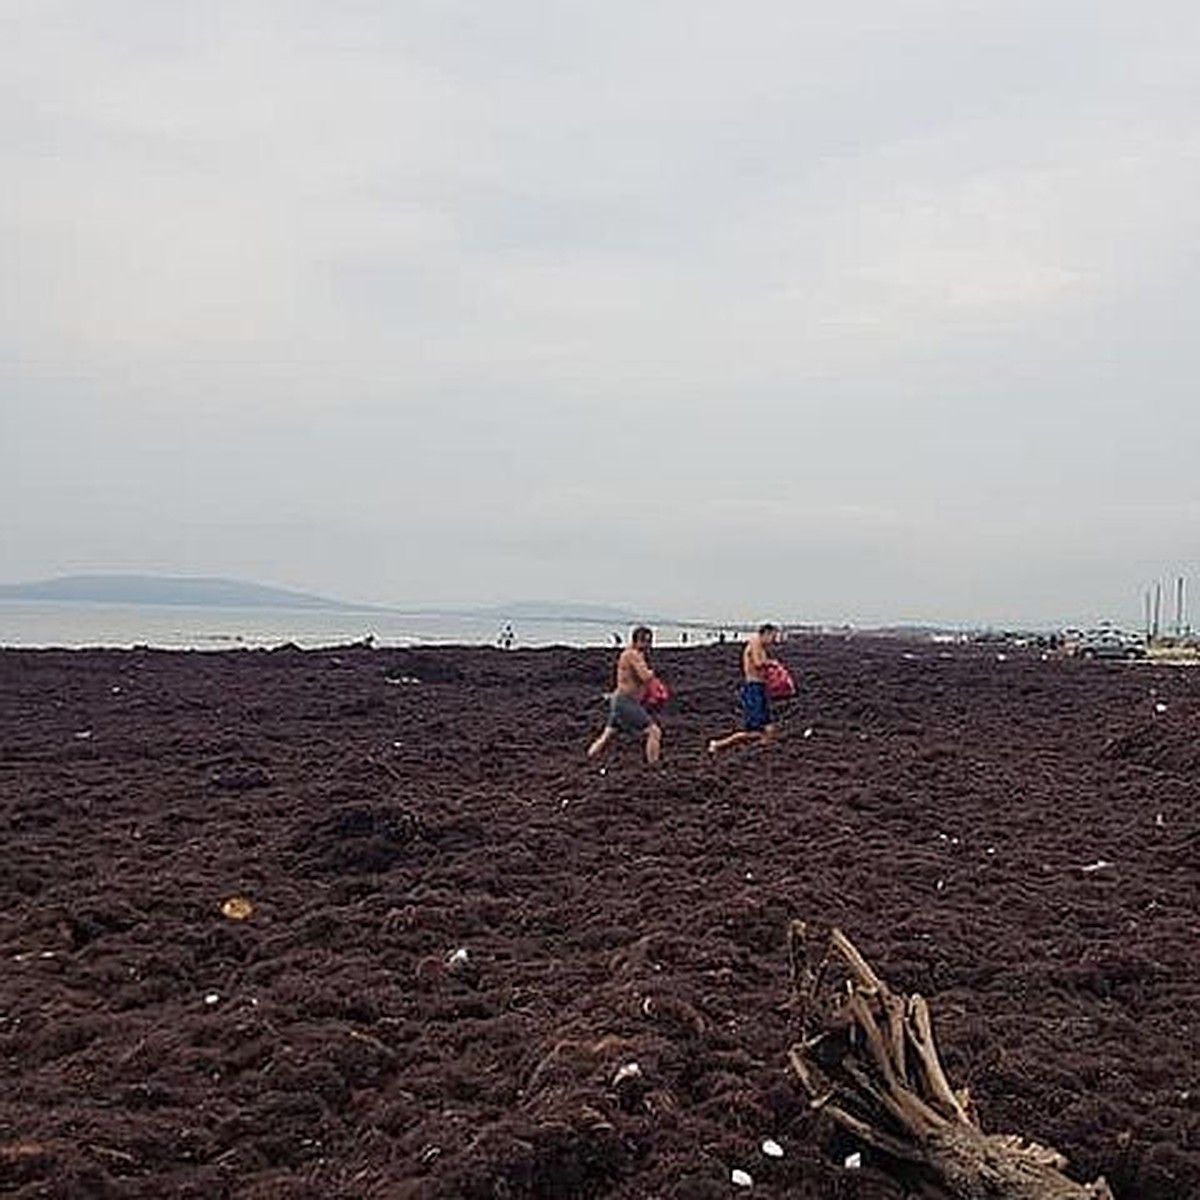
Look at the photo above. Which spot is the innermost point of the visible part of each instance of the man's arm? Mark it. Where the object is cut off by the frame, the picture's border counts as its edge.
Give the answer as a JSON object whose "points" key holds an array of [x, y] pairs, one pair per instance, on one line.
{"points": [[758, 654], [641, 668]]}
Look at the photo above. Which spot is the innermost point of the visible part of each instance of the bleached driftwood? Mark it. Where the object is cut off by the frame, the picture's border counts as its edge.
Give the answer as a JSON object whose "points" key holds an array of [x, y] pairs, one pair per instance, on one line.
{"points": [[873, 1068]]}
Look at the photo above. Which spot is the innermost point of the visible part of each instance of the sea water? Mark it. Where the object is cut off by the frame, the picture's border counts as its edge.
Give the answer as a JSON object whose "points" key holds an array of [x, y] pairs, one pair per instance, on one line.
{"points": [[73, 625]]}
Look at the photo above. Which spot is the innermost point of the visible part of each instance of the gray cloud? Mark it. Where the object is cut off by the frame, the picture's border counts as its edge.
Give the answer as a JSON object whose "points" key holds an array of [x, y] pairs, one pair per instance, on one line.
{"points": [[876, 312]]}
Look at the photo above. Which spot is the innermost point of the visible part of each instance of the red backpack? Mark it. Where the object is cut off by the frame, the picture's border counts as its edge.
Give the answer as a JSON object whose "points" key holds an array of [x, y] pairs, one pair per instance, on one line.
{"points": [[780, 684]]}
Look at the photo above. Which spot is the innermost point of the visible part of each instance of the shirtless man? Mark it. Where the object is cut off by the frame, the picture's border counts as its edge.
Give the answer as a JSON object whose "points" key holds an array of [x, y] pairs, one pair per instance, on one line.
{"points": [[625, 711], [756, 705]]}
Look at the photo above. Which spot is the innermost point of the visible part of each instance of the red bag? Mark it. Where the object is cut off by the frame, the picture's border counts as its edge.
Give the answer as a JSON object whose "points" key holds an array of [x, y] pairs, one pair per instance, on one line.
{"points": [[655, 694], [780, 684]]}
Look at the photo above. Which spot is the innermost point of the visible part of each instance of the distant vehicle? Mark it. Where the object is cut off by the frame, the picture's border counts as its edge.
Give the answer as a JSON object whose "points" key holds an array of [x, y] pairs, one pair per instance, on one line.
{"points": [[1109, 643]]}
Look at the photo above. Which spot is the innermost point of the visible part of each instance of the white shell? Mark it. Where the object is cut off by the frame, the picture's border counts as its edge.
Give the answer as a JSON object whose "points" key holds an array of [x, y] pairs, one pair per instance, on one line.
{"points": [[772, 1149], [629, 1070], [739, 1178]]}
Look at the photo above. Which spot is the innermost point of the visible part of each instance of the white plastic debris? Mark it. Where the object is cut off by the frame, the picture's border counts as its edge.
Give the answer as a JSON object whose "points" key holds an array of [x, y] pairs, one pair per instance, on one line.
{"points": [[853, 1161], [211, 998], [1101, 864], [603, 770], [941, 885], [458, 957], [83, 735], [808, 732], [1158, 820], [1160, 707], [629, 1070], [740, 1178], [771, 1148]]}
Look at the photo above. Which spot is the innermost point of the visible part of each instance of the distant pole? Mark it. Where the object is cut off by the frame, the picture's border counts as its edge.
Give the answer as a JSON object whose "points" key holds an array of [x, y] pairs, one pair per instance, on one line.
{"points": [[1146, 613], [1157, 609], [1179, 607]]}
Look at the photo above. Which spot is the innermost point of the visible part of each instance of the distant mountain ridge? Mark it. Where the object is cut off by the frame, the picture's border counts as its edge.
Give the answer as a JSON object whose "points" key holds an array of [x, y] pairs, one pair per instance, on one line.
{"points": [[170, 591], [565, 610], [189, 591]]}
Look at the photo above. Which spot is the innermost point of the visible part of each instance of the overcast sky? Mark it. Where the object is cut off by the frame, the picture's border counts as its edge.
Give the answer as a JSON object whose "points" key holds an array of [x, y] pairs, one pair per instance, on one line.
{"points": [[876, 310]]}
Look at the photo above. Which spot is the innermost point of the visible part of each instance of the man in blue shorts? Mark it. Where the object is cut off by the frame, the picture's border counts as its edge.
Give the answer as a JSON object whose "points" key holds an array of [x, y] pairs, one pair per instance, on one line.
{"points": [[758, 723]]}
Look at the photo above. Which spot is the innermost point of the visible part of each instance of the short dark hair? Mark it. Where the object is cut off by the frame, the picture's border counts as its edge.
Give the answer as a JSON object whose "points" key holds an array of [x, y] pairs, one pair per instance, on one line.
{"points": [[767, 627], [642, 632]]}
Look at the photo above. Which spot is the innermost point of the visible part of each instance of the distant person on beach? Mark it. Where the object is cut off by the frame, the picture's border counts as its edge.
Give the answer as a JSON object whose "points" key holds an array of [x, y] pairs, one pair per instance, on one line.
{"points": [[758, 725], [508, 637], [625, 711]]}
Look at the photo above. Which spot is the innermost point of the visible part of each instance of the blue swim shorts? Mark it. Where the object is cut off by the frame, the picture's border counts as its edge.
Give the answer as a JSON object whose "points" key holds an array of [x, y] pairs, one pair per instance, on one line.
{"points": [[756, 707]]}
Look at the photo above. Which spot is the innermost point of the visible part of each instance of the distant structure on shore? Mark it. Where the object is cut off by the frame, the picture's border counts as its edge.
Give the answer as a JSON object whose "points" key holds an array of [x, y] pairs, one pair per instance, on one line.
{"points": [[1152, 607]]}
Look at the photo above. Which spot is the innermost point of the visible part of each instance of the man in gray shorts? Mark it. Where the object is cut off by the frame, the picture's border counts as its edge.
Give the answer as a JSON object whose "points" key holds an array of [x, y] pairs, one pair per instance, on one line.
{"points": [[625, 711]]}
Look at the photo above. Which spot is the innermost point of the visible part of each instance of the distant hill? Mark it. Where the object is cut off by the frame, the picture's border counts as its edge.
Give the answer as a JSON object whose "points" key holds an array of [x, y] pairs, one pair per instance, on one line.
{"points": [[565, 610], [161, 590]]}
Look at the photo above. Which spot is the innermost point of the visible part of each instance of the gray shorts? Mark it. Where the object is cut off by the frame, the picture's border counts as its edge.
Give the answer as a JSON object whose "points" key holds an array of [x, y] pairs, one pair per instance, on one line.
{"points": [[626, 715]]}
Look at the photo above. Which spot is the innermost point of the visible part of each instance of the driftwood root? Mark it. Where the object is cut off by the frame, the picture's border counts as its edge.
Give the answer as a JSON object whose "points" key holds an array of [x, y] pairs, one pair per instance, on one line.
{"points": [[870, 1064]]}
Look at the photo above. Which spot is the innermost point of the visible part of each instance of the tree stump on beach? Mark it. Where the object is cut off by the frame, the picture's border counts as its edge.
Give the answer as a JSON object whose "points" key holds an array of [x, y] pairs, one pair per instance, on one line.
{"points": [[872, 1067]]}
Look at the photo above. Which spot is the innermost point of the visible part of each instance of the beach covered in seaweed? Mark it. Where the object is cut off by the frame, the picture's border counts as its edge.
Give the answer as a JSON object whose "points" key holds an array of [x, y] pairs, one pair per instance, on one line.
{"points": [[463, 933]]}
